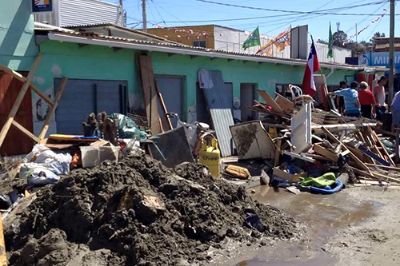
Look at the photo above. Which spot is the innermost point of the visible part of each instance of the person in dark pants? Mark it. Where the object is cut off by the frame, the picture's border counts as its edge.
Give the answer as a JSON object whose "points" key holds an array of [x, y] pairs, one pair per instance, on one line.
{"points": [[380, 97], [339, 99], [366, 99]]}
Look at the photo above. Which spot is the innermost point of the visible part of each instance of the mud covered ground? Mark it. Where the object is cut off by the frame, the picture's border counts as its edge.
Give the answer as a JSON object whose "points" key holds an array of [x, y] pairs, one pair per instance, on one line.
{"points": [[137, 212], [357, 226]]}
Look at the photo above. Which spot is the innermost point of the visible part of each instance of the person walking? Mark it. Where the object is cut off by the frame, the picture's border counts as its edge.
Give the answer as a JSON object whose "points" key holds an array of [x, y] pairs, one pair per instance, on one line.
{"points": [[366, 99], [350, 97], [339, 99], [380, 97], [395, 108]]}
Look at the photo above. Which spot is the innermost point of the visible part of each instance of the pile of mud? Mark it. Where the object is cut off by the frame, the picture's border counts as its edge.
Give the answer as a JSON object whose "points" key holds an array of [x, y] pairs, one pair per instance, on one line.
{"points": [[136, 212]]}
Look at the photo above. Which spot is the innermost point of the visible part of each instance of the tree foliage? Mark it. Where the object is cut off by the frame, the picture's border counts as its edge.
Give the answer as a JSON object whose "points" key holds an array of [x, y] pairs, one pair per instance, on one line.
{"points": [[340, 38]]}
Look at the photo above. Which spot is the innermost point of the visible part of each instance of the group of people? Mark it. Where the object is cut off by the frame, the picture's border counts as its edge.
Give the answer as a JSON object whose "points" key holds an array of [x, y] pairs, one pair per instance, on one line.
{"points": [[358, 100]]}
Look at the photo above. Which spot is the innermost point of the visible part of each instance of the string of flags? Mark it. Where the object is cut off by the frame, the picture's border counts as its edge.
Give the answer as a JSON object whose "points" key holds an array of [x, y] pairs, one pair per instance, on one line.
{"points": [[376, 20], [280, 42]]}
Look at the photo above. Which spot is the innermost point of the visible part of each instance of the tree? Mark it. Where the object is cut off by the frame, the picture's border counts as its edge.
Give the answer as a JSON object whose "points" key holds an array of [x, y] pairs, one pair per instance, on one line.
{"points": [[377, 35], [339, 38]]}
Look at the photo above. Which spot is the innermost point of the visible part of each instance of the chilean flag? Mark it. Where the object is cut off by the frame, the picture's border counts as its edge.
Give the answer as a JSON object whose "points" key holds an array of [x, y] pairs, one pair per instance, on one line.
{"points": [[311, 67]]}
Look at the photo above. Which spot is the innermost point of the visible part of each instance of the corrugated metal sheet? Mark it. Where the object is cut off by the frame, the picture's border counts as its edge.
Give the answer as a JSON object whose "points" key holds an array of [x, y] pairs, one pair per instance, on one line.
{"points": [[81, 12], [220, 110], [76, 12]]}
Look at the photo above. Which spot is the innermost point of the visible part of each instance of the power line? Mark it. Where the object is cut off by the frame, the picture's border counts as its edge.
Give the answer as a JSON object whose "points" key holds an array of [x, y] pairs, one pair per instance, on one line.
{"points": [[321, 12]]}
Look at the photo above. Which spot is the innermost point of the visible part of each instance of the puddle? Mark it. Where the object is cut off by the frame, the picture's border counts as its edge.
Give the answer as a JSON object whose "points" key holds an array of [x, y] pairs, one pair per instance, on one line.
{"points": [[323, 215]]}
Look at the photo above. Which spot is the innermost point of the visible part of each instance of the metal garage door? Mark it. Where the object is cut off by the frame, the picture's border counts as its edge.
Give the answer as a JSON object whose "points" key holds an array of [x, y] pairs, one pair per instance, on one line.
{"points": [[171, 88], [82, 97]]}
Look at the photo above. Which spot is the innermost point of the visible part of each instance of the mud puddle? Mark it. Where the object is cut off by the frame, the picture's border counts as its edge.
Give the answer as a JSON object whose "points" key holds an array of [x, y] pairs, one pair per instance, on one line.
{"points": [[323, 216]]}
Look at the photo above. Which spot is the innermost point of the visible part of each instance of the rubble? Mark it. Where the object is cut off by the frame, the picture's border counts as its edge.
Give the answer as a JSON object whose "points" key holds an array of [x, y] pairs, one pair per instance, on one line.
{"points": [[136, 211]]}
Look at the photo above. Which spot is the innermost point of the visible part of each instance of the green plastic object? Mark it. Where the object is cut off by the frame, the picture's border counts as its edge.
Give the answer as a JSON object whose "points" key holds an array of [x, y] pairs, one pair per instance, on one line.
{"points": [[325, 180], [127, 128]]}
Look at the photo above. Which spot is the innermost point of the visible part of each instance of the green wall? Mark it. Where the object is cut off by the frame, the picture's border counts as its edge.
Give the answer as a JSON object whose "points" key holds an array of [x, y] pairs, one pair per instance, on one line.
{"points": [[17, 44], [84, 62], [104, 63], [265, 75]]}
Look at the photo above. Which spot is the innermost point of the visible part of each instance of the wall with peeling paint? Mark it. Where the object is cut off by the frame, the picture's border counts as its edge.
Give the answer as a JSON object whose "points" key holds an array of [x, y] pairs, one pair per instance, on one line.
{"points": [[265, 75], [17, 43]]}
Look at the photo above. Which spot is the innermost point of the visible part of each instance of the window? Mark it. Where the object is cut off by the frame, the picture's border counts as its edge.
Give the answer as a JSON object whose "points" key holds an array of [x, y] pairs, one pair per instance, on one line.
{"points": [[199, 44]]}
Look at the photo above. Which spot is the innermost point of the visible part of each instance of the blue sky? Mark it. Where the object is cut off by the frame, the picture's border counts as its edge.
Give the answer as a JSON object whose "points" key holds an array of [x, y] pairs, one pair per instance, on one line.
{"points": [[182, 12]]}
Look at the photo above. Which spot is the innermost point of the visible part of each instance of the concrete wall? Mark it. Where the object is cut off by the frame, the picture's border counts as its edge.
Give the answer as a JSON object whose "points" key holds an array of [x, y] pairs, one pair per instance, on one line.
{"points": [[17, 45], [86, 62], [94, 62], [265, 75]]}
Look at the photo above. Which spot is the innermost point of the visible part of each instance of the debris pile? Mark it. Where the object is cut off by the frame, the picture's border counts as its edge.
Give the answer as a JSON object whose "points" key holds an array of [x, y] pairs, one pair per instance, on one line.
{"points": [[137, 211], [308, 142]]}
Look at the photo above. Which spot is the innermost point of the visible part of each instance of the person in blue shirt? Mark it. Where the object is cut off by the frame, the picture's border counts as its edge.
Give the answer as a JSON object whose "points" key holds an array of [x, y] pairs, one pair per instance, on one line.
{"points": [[351, 103], [395, 108]]}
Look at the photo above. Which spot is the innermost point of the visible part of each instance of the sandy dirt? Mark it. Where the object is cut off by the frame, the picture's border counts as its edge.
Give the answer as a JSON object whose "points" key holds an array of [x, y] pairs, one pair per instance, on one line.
{"points": [[358, 226]]}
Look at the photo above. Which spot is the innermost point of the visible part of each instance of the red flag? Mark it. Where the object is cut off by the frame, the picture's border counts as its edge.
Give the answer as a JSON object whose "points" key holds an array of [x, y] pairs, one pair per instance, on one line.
{"points": [[311, 67]]}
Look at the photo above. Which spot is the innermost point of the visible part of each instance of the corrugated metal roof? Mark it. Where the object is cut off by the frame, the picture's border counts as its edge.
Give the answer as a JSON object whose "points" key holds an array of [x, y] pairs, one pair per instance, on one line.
{"points": [[185, 49]]}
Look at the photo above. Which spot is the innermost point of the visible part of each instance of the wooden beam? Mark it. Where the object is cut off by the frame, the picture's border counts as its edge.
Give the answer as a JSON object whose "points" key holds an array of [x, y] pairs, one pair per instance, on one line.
{"points": [[23, 79], [352, 156], [42, 95], [326, 153], [45, 127], [20, 97], [24, 130]]}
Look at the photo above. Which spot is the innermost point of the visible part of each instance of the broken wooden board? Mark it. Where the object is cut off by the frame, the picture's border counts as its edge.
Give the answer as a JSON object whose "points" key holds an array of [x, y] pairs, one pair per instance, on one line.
{"points": [[334, 157], [300, 124], [352, 155], [149, 93], [286, 176], [285, 104], [252, 141], [269, 101]]}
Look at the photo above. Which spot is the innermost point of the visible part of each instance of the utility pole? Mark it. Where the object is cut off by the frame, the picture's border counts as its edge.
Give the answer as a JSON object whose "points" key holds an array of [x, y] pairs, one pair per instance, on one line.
{"points": [[356, 34], [391, 52], [144, 15]]}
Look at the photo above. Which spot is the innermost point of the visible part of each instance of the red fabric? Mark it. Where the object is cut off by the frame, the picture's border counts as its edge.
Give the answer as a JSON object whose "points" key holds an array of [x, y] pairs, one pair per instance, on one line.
{"points": [[311, 67], [365, 97]]}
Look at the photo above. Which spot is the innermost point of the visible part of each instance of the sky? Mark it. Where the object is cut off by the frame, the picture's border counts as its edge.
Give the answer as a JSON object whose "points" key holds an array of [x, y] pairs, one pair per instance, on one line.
{"points": [[368, 17]]}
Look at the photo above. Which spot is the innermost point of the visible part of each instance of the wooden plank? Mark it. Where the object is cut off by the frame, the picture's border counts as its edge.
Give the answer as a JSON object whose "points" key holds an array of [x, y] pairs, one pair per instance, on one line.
{"points": [[277, 152], [385, 152], [149, 93], [284, 175], [24, 130], [352, 156], [285, 104], [165, 117], [384, 167], [269, 101], [19, 99], [3, 254], [45, 127], [326, 153], [376, 176], [42, 95], [21, 78]]}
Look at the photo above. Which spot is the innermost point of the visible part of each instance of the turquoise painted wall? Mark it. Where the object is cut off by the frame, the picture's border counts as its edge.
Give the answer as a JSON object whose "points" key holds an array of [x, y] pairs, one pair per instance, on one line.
{"points": [[96, 62], [265, 75], [17, 44], [84, 62]]}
